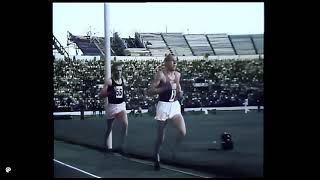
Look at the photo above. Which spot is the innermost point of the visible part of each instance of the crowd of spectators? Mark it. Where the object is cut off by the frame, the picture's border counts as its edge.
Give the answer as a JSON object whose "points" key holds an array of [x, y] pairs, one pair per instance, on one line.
{"points": [[218, 83]]}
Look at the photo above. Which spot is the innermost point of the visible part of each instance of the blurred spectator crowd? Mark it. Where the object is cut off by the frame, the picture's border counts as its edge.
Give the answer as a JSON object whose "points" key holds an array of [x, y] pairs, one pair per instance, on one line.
{"points": [[214, 83]]}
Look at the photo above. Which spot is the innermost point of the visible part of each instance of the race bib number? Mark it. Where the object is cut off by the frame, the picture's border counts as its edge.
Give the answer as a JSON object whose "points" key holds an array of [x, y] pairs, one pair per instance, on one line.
{"points": [[173, 92], [119, 91], [173, 95]]}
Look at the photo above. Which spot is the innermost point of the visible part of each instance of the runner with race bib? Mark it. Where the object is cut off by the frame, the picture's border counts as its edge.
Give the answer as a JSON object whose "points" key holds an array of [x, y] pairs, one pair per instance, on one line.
{"points": [[166, 83]]}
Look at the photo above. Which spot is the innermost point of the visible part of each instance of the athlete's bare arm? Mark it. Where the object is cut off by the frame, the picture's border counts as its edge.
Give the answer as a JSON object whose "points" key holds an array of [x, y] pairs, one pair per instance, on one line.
{"points": [[125, 82], [155, 83], [179, 91], [104, 90]]}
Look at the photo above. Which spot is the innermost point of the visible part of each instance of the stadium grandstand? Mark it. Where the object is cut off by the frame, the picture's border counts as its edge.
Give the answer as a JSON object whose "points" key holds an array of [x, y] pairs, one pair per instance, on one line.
{"points": [[218, 70], [159, 44], [217, 83]]}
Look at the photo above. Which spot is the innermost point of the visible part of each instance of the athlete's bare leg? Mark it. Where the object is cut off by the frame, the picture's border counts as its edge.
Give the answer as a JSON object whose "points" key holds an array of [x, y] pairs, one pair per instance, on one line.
{"points": [[123, 118], [159, 140], [179, 124]]}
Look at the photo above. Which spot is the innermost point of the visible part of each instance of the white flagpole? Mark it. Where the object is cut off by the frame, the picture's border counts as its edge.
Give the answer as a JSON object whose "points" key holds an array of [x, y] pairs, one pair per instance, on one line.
{"points": [[107, 54]]}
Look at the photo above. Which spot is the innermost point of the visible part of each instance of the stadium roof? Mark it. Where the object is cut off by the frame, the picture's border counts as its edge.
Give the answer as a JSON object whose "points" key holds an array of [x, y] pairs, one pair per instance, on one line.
{"points": [[159, 44]]}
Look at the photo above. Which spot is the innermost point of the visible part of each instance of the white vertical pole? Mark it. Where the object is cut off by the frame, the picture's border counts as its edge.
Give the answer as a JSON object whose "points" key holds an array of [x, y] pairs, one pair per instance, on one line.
{"points": [[107, 54]]}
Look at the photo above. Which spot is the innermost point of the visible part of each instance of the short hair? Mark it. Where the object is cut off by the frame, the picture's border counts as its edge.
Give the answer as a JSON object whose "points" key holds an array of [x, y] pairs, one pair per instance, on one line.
{"points": [[115, 64], [168, 57]]}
